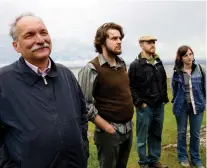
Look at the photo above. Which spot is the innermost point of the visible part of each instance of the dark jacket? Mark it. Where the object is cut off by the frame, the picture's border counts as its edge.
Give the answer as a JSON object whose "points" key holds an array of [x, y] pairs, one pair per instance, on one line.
{"points": [[198, 97], [148, 83], [42, 126]]}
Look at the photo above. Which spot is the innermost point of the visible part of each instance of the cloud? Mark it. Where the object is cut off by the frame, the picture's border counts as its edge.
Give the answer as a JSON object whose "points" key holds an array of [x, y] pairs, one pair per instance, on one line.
{"points": [[72, 25]]}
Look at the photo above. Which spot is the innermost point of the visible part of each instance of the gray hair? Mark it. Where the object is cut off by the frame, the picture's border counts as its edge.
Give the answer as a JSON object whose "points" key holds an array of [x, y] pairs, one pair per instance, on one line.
{"points": [[13, 28]]}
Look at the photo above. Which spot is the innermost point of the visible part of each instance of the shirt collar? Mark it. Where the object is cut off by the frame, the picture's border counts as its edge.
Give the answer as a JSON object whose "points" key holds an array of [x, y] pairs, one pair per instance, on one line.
{"points": [[143, 60], [155, 56], [37, 70], [103, 61]]}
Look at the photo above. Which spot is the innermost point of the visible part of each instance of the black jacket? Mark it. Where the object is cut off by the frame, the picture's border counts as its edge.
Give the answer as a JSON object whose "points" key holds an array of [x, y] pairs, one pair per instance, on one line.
{"points": [[42, 126], [148, 83]]}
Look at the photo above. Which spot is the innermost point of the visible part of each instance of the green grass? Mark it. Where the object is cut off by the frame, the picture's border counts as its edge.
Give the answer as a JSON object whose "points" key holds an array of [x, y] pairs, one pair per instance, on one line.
{"points": [[168, 156]]}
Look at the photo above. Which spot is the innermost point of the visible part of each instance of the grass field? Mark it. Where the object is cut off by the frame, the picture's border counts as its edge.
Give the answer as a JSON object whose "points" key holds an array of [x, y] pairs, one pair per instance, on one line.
{"points": [[169, 155]]}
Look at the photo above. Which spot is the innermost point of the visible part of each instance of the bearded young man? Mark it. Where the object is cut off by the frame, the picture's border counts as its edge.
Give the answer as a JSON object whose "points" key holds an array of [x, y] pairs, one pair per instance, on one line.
{"points": [[148, 84], [105, 84]]}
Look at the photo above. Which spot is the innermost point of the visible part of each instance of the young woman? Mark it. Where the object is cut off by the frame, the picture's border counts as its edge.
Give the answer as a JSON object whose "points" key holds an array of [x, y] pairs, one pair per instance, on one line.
{"points": [[189, 99]]}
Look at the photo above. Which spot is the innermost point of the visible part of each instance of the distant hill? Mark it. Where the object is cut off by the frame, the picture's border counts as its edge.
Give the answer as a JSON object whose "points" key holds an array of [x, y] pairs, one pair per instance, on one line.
{"points": [[200, 61], [68, 54]]}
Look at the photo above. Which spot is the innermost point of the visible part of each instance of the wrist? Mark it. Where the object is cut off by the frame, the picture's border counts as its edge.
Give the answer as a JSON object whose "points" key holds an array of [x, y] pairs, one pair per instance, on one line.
{"points": [[144, 105], [109, 128]]}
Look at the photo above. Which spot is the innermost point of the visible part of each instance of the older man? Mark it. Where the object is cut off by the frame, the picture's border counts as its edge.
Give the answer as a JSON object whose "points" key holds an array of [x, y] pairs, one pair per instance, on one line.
{"points": [[42, 109]]}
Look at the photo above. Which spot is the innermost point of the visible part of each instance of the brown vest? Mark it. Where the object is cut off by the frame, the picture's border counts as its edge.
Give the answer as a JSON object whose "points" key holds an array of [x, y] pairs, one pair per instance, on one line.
{"points": [[112, 93]]}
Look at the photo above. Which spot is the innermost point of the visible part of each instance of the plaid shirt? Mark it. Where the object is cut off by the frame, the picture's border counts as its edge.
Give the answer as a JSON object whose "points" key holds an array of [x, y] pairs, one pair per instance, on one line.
{"points": [[87, 79]]}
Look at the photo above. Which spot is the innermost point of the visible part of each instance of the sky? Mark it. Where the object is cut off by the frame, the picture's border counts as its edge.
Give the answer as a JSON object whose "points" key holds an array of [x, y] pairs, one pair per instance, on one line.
{"points": [[72, 25]]}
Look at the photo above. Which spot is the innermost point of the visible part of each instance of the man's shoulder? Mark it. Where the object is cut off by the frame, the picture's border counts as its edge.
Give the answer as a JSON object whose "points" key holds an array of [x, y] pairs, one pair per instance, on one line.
{"points": [[65, 71], [7, 69], [95, 61], [120, 58], [135, 62], [64, 68], [58, 65], [89, 68], [90, 65]]}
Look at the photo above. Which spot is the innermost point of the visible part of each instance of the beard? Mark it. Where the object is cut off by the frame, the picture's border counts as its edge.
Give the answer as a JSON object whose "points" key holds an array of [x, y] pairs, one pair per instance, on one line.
{"points": [[150, 51], [112, 52]]}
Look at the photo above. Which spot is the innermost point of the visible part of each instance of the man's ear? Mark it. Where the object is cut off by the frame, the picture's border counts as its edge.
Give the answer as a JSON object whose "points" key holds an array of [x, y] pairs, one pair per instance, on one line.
{"points": [[103, 47], [140, 44], [16, 46]]}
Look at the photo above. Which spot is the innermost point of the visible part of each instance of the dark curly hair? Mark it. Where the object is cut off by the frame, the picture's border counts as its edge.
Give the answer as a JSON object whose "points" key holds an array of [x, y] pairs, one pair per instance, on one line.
{"points": [[102, 34]]}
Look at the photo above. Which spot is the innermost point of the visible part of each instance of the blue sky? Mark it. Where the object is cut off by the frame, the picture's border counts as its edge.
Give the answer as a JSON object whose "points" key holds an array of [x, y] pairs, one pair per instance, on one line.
{"points": [[73, 24]]}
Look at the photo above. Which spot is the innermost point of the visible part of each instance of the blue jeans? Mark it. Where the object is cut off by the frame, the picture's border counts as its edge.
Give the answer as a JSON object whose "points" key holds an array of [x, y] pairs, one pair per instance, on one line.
{"points": [[195, 126], [149, 132]]}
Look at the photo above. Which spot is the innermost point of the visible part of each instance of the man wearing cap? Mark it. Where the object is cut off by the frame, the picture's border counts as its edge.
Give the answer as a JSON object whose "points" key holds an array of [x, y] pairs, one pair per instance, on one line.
{"points": [[148, 84]]}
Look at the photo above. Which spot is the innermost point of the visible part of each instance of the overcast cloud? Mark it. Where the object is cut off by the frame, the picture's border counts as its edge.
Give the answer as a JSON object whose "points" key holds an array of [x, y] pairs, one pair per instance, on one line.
{"points": [[72, 25]]}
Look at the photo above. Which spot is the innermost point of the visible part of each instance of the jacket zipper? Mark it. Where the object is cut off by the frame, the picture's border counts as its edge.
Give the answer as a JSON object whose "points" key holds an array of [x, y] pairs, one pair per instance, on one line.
{"points": [[45, 81], [155, 66]]}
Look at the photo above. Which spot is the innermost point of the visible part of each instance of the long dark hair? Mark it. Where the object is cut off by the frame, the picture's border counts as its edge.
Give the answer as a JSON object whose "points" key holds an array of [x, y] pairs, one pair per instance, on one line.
{"points": [[102, 34], [182, 50]]}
